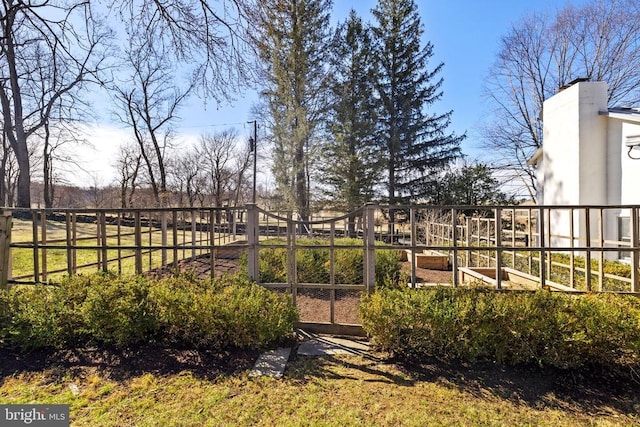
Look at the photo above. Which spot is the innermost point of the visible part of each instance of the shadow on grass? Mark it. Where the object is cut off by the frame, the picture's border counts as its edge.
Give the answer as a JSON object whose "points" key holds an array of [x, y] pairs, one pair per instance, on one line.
{"points": [[360, 368], [580, 392], [587, 391], [590, 392]]}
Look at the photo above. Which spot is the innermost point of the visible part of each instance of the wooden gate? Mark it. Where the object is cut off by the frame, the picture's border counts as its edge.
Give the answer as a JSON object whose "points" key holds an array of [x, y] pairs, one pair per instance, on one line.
{"points": [[326, 265]]}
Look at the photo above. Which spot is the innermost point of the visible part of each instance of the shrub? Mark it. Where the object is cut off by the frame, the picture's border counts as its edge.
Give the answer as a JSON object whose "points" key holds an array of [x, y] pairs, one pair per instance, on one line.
{"points": [[313, 263], [388, 265], [119, 312], [221, 313], [255, 316], [183, 311], [32, 322], [542, 327]]}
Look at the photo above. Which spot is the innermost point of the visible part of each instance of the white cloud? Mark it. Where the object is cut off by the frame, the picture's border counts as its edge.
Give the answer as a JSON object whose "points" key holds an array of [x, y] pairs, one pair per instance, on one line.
{"points": [[95, 163], [96, 159]]}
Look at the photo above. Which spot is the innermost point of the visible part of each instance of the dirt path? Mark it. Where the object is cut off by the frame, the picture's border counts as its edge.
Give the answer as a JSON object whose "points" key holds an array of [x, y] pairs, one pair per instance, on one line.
{"points": [[314, 305]]}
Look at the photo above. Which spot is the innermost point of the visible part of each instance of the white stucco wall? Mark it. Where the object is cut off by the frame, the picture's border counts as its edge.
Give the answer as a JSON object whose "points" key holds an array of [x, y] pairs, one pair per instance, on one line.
{"points": [[574, 165], [574, 143]]}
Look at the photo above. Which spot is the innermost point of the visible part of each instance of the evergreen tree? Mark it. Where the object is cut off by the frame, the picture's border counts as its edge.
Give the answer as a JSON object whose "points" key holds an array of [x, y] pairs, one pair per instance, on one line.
{"points": [[293, 41], [415, 140], [470, 184], [351, 167]]}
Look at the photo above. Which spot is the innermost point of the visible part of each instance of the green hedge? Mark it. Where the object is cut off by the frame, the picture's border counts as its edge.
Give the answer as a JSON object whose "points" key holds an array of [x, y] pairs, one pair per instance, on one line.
{"points": [[313, 263], [550, 329], [182, 311]]}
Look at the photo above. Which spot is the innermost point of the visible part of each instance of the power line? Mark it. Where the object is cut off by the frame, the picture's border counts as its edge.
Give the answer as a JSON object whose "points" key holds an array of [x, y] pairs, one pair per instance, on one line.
{"points": [[211, 125]]}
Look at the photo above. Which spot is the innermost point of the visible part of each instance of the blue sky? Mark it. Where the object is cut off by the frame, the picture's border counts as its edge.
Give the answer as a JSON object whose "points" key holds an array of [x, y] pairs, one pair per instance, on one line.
{"points": [[466, 36]]}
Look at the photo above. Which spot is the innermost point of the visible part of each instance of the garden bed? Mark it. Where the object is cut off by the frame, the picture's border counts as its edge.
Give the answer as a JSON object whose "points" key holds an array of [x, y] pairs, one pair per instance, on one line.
{"points": [[511, 279]]}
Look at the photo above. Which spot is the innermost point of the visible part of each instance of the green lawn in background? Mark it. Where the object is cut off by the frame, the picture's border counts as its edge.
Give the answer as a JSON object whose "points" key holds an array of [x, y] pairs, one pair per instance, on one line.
{"points": [[86, 234]]}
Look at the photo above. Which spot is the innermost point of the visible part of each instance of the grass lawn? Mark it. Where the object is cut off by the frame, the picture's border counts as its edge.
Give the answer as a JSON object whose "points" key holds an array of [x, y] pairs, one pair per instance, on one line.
{"points": [[331, 391], [86, 260]]}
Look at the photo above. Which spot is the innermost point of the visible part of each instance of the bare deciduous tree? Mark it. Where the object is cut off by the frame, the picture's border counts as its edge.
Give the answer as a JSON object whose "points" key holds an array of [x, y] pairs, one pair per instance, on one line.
{"points": [[147, 102], [598, 41], [243, 161], [129, 163], [48, 52], [212, 35], [217, 154], [188, 177]]}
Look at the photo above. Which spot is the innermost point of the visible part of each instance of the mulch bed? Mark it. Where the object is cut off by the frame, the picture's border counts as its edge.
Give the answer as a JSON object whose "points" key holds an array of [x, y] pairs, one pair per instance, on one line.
{"points": [[119, 364]]}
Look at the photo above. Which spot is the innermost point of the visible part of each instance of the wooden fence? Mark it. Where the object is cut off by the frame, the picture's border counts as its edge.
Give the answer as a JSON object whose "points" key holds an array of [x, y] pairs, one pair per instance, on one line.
{"points": [[46, 244], [590, 248], [576, 243]]}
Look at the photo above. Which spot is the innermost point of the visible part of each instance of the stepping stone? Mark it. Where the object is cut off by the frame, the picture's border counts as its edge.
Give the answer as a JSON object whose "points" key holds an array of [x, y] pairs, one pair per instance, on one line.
{"points": [[271, 363], [324, 346]]}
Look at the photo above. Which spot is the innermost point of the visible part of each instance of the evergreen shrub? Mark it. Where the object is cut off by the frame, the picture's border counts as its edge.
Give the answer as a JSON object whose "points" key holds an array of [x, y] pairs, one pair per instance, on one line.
{"points": [[313, 264], [102, 309], [549, 329]]}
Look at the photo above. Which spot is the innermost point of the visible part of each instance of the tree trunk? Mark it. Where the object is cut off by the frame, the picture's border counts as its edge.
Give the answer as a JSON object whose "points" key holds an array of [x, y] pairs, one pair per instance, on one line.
{"points": [[301, 187]]}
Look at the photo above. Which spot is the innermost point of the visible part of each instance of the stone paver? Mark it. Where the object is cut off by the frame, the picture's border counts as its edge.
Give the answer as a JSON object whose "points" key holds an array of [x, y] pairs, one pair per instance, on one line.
{"points": [[271, 363], [323, 345]]}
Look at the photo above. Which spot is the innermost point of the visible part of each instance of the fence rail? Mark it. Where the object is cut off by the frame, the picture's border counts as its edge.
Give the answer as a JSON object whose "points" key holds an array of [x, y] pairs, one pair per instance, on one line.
{"points": [[586, 248], [49, 243]]}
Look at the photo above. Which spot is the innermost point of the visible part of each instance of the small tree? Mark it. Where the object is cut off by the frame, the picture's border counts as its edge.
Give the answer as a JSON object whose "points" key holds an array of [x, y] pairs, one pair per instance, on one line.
{"points": [[471, 184], [188, 177], [217, 154], [129, 164]]}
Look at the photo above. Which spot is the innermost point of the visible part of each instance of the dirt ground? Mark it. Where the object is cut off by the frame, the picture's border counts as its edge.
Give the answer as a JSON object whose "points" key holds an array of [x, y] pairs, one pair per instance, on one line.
{"points": [[314, 305]]}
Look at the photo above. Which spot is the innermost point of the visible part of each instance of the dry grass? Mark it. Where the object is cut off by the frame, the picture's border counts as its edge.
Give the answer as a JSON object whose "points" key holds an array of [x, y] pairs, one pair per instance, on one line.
{"points": [[331, 391]]}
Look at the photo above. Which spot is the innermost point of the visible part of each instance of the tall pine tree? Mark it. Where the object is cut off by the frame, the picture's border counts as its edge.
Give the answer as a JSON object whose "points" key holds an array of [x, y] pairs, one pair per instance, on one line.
{"points": [[292, 42], [351, 166], [414, 138]]}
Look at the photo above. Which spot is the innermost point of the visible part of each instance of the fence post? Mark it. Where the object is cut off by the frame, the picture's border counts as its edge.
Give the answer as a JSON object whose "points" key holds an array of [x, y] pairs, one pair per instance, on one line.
{"points": [[67, 222], [587, 260], [138, 242], [454, 224], [468, 225], [414, 232], [43, 241], [370, 242], [5, 245], [36, 258], [252, 241], [163, 238], [498, 229], [635, 242], [542, 243], [572, 260]]}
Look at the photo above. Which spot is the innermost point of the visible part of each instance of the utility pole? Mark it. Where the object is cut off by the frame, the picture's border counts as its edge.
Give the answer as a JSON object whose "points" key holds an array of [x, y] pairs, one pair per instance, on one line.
{"points": [[254, 147]]}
